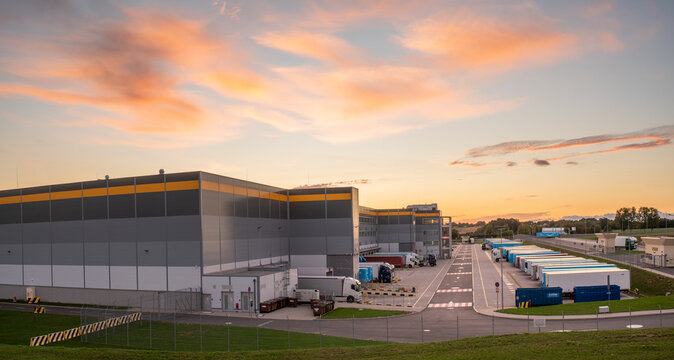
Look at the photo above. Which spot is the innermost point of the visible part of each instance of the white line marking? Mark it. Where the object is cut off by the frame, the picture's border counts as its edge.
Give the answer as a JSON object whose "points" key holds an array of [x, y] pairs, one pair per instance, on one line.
{"points": [[453, 290], [265, 323], [451, 305]]}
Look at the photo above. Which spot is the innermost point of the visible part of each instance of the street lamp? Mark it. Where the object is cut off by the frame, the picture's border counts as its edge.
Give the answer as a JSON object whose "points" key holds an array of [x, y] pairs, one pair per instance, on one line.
{"points": [[500, 230]]}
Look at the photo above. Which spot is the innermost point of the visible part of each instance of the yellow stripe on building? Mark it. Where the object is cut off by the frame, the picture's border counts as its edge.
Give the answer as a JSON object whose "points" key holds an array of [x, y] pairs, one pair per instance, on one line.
{"points": [[10, 200], [148, 188], [61, 195], [427, 214], [343, 196], [315, 197], [95, 192], [121, 190], [35, 197], [182, 185], [209, 185]]}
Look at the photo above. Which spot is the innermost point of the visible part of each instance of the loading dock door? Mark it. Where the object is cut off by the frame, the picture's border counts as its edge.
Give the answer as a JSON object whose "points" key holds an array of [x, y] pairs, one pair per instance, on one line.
{"points": [[227, 300], [245, 300]]}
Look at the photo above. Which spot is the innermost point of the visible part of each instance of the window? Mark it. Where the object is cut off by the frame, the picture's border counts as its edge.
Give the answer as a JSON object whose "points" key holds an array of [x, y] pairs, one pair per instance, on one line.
{"points": [[430, 243], [430, 221], [431, 232]]}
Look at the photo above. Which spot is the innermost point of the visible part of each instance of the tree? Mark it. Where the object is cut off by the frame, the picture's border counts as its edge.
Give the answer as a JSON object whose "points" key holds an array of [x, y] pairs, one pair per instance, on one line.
{"points": [[455, 234], [649, 216], [524, 229], [625, 216]]}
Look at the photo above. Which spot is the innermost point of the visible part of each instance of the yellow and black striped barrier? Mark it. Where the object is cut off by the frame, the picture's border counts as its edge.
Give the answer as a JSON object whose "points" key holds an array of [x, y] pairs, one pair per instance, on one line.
{"points": [[33, 300], [388, 293], [83, 330], [38, 310], [525, 304]]}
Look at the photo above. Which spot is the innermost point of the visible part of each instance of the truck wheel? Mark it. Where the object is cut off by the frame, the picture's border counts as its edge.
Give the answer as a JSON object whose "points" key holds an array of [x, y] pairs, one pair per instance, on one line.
{"points": [[350, 299]]}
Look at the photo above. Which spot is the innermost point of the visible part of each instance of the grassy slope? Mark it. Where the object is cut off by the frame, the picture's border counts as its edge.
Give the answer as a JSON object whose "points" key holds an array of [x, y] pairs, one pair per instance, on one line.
{"points": [[649, 303], [648, 283], [348, 313], [18, 327], [623, 344]]}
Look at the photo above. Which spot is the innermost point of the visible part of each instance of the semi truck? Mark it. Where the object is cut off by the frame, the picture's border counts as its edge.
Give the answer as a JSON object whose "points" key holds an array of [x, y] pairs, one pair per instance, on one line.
{"points": [[381, 271], [337, 288], [626, 242], [416, 258]]}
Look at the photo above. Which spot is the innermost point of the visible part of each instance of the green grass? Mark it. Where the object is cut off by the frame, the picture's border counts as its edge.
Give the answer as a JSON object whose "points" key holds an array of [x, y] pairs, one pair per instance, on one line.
{"points": [[649, 303], [648, 283], [624, 344], [18, 327], [348, 313]]}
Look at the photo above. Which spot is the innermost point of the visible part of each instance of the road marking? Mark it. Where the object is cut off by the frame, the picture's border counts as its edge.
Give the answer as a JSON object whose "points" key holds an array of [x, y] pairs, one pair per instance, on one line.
{"points": [[435, 278], [265, 323], [460, 273], [453, 290], [451, 305], [479, 270]]}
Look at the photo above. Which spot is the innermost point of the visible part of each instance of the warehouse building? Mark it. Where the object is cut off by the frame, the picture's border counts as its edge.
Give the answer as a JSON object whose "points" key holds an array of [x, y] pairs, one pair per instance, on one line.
{"points": [[97, 241]]}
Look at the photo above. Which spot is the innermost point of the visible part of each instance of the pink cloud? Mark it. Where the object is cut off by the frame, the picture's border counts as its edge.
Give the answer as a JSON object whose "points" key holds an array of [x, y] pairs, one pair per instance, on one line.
{"points": [[324, 47]]}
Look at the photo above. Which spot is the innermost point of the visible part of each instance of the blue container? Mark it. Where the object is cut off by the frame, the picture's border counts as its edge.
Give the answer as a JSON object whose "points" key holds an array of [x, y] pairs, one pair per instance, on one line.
{"points": [[595, 293], [538, 296], [362, 274]]}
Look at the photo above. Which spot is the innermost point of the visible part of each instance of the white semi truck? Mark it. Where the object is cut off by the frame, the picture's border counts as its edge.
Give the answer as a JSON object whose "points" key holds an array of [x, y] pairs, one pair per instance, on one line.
{"points": [[626, 242], [338, 288]]}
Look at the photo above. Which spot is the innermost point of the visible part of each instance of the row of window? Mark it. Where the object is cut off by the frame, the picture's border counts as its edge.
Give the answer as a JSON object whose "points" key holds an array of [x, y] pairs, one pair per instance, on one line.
{"points": [[367, 233], [431, 232]]}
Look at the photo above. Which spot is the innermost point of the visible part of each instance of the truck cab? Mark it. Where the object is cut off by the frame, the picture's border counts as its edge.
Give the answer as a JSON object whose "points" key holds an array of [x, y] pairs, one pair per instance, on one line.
{"points": [[352, 290]]}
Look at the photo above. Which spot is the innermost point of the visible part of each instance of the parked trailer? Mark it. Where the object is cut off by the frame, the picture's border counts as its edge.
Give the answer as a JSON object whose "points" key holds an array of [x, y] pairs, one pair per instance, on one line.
{"points": [[531, 266], [538, 296], [573, 267], [395, 260], [338, 288], [596, 293], [414, 257], [521, 260], [381, 271], [561, 265], [567, 280]]}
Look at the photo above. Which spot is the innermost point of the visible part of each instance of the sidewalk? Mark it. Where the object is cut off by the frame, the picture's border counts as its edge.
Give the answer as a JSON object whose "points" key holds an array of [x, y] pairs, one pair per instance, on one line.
{"points": [[494, 313]]}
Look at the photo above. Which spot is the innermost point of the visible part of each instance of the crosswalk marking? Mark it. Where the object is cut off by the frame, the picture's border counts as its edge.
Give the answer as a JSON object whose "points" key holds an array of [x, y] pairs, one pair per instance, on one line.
{"points": [[453, 290], [451, 305]]}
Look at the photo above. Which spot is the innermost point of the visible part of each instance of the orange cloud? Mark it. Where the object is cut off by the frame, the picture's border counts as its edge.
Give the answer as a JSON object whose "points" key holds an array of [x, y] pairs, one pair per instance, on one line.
{"points": [[469, 40], [318, 46], [466, 163]]}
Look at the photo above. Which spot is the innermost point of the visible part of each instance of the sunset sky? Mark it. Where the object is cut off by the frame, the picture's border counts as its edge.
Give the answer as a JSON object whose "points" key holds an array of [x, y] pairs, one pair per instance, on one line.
{"points": [[489, 108]]}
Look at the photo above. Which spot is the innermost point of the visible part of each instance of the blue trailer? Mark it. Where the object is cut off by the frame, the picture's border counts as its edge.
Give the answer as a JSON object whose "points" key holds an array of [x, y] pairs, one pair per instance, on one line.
{"points": [[595, 293], [547, 234], [538, 296]]}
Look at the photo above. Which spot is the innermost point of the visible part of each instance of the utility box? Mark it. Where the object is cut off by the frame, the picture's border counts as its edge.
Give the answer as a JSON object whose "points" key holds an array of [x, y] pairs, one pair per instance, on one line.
{"points": [[30, 292]]}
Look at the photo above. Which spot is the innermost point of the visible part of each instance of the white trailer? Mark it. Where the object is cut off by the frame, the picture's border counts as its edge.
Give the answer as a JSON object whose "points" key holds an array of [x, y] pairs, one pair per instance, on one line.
{"points": [[567, 280], [338, 288]]}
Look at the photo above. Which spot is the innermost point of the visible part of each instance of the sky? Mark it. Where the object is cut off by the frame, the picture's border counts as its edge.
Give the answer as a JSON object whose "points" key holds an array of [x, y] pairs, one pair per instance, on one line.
{"points": [[490, 109]]}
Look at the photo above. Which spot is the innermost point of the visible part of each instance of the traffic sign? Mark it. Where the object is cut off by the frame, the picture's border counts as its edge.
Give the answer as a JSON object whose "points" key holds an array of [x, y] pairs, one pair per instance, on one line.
{"points": [[497, 290], [496, 284]]}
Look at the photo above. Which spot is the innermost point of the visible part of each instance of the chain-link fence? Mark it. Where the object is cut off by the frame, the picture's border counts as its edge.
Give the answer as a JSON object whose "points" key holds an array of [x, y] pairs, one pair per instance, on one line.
{"points": [[199, 331]]}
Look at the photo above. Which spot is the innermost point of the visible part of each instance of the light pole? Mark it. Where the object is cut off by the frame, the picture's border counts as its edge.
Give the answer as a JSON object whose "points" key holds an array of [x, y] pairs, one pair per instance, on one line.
{"points": [[500, 231]]}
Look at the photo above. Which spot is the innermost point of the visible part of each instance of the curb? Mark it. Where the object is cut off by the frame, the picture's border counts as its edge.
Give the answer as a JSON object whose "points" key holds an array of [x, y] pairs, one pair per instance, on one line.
{"points": [[573, 317]]}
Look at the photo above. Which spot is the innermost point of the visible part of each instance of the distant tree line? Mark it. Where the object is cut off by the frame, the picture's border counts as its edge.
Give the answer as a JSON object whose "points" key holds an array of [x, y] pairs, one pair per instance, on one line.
{"points": [[627, 218]]}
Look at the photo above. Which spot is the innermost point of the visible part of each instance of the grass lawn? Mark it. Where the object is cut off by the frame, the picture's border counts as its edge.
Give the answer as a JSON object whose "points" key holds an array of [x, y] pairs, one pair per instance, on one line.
{"points": [[648, 283], [18, 327], [624, 344], [348, 313], [649, 303]]}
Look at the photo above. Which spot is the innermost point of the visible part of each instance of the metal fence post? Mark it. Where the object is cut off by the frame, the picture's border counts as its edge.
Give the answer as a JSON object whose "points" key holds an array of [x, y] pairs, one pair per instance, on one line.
{"points": [[320, 332], [228, 323], [528, 322], [597, 314], [257, 332], [629, 307], [201, 335], [288, 323], [457, 326], [140, 298], [387, 329], [105, 317], [563, 322], [422, 329], [127, 328], [175, 343], [492, 324], [353, 328], [660, 307], [151, 324]]}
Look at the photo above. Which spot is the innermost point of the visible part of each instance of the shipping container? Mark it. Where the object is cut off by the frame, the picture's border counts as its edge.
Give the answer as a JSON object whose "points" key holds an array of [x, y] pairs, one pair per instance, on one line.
{"points": [[596, 293], [538, 296]]}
